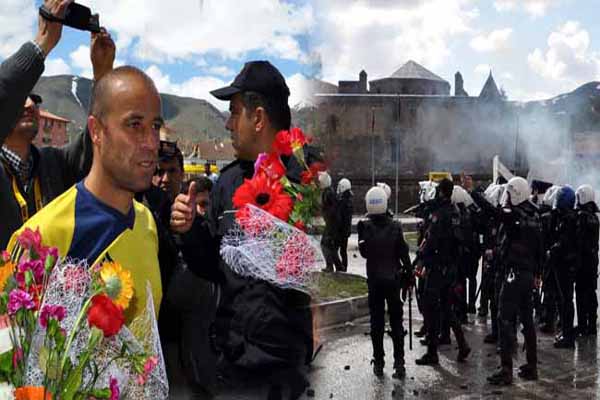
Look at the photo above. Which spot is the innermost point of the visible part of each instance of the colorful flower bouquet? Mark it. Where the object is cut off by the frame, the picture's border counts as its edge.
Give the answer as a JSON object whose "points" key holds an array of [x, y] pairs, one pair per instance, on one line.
{"points": [[273, 214], [62, 332]]}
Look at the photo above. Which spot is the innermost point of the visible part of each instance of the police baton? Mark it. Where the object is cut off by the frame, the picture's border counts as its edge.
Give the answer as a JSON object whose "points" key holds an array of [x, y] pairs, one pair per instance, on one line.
{"points": [[410, 330]]}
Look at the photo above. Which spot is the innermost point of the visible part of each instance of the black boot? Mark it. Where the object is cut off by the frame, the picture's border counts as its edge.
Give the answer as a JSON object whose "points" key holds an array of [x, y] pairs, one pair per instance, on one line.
{"points": [[564, 342], [445, 340], [378, 367], [421, 332], [463, 353], [483, 312], [501, 378], [428, 359], [490, 339], [399, 370], [528, 373]]}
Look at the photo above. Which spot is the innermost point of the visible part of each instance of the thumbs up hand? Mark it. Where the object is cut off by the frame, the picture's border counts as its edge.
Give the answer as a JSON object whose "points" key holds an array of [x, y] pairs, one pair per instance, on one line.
{"points": [[183, 210]]}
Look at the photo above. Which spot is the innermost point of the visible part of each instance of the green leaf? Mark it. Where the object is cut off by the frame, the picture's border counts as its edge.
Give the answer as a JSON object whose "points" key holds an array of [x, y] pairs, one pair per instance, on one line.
{"points": [[48, 363]]}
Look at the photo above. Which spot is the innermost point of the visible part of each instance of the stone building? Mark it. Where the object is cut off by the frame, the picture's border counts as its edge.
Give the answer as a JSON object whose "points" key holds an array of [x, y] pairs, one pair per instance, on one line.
{"points": [[52, 130], [402, 126]]}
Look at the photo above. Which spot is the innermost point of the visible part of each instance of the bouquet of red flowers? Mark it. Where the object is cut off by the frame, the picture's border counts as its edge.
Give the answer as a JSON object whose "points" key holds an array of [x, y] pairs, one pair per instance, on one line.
{"points": [[62, 333], [273, 215]]}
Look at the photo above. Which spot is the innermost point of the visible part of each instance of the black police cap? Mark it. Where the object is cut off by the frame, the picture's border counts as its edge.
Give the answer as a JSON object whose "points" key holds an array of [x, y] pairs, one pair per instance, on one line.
{"points": [[256, 76]]}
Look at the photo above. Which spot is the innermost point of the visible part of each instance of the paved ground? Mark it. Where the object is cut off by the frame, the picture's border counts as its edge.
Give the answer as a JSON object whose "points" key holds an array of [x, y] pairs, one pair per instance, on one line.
{"points": [[342, 369]]}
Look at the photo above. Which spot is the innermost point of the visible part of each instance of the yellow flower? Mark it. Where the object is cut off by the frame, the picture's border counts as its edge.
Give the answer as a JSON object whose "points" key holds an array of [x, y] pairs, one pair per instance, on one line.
{"points": [[6, 272], [119, 285]]}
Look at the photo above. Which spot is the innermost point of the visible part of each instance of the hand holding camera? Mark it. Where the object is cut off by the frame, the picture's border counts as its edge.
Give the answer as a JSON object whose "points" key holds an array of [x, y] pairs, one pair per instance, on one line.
{"points": [[49, 32]]}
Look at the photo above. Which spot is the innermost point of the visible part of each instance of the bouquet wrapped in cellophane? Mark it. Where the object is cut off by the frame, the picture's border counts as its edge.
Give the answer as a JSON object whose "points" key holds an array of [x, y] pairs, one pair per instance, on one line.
{"points": [[63, 333], [273, 214]]}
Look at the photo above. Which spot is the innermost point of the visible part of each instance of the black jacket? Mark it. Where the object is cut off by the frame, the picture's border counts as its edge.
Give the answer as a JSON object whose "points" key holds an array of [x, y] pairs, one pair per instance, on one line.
{"points": [[345, 210], [588, 227], [257, 325], [440, 246], [381, 242], [520, 244], [330, 213], [57, 168]]}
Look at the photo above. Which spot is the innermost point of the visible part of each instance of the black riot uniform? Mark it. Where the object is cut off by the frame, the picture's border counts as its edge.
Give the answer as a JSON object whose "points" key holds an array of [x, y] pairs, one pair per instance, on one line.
{"points": [[521, 252], [564, 257], [331, 234], [469, 257], [551, 300], [438, 253], [587, 273], [382, 243], [345, 210]]}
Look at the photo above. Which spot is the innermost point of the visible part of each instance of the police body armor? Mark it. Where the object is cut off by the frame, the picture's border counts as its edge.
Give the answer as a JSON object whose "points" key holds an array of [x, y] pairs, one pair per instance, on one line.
{"points": [[588, 227], [520, 244]]}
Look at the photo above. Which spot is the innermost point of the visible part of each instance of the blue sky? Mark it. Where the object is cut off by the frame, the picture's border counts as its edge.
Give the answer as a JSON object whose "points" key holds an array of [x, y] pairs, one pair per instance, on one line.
{"points": [[535, 48]]}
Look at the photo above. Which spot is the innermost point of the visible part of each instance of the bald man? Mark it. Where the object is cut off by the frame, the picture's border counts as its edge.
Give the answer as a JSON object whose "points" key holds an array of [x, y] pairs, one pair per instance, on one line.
{"points": [[98, 219]]}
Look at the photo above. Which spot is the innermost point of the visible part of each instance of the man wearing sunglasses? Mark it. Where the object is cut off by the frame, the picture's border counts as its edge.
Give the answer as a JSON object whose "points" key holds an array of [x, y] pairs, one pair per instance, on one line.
{"points": [[30, 177]]}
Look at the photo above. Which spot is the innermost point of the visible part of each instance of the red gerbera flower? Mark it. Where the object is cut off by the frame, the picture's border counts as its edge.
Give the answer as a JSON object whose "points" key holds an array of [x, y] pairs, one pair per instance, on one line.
{"points": [[309, 176], [264, 193], [286, 142]]}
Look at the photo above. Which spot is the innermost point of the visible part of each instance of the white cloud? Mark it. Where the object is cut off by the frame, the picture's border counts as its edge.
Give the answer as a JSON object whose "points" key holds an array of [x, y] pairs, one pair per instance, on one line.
{"points": [[299, 90], [535, 8], [221, 71], [17, 20], [568, 59], [56, 66], [355, 35], [80, 59], [483, 69], [198, 87], [163, 31], [494, 41]]}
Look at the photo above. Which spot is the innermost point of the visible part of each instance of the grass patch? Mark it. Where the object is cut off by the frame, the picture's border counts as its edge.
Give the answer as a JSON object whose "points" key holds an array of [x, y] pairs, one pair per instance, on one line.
{"points": [[336, 286]]}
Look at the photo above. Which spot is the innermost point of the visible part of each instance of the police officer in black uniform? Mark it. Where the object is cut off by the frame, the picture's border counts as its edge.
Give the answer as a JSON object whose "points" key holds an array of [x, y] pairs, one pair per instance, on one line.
{"points": [[550, 303], [587, 274], [564, 257], [381, 242], [521, 254], [438, 253], [261, 329]]}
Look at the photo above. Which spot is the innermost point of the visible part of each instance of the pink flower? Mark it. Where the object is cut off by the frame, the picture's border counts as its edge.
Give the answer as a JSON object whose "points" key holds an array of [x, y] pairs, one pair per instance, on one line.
{"points": [[51, 311], [18, 299], [114, 389], [149, 366], [46, 252], [17, 357], [29, 239], [259, 160], [5, 256], [35, 266]]}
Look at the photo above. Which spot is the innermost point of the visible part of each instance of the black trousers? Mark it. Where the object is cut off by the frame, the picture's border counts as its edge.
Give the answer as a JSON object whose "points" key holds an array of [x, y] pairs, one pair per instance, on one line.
{"points": [[332, 258], [516, 300], [342, 250], [437, 299], [380, 293], [566, 279], [551, 300], [587, 301]]}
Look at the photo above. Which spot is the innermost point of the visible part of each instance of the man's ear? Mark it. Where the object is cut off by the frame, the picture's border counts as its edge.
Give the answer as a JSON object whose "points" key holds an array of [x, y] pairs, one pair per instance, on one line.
{"points": [[94, 129], [260, 119]]}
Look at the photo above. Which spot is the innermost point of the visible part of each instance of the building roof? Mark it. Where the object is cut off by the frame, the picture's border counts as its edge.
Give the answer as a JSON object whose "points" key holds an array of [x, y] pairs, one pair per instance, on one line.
{"points": [[48, 115], [490, 89], [413, 70], [213, 150]]}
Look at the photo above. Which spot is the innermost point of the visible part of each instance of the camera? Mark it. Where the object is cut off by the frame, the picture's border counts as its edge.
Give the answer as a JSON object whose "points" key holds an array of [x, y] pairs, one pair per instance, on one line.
{"points": [[77, 16]]}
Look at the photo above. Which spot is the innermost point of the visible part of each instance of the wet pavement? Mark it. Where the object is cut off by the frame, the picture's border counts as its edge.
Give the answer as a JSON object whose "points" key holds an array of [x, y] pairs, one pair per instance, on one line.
{"points": [[342, 369]]}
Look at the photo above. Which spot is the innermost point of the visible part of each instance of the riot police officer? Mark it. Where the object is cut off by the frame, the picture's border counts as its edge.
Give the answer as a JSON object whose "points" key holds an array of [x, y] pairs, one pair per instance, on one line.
{"points": [[381, 242], [438, 253], [550, 301], [587, 274], [520, 256], [563, 258]]}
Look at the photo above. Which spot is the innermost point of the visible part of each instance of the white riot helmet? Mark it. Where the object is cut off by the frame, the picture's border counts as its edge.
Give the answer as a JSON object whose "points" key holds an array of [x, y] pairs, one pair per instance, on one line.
{"points": [[494, 195], [343, 186], [550, 196], [427, 191], [460, 195], [376, 201], [517, 191], [324, 180], [386, 188], [584, 194]]}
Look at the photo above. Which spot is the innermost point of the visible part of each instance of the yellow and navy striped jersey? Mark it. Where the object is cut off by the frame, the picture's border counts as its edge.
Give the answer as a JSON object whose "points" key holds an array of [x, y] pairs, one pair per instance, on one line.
{"points": [[84, 228]]}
